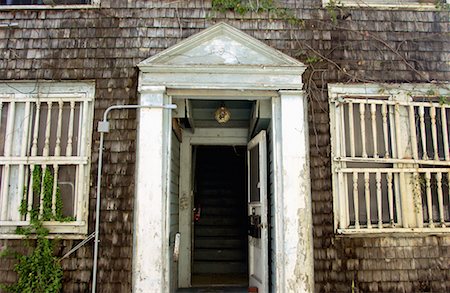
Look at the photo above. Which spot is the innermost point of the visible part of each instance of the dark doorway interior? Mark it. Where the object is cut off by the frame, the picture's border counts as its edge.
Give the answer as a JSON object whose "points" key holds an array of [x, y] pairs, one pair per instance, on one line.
{"points": [[220, 219]]}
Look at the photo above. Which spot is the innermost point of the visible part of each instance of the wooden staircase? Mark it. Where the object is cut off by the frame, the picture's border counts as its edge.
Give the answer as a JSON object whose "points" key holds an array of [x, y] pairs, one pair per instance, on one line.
{"points": [[220, 243]]}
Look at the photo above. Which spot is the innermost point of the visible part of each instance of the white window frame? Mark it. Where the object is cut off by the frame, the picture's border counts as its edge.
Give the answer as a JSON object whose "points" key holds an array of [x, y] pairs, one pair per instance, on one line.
{"points": [[93, 4], [397, 98], [30, 93], [377, 4]]}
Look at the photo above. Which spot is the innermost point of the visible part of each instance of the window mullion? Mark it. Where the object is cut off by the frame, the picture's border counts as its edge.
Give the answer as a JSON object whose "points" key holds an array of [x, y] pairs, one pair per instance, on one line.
{"points": [[23, 152], [338, 118], [6, 169]]}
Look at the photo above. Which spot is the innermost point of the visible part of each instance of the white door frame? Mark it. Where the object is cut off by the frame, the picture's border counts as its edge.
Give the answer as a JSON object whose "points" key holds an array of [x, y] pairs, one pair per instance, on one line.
{"points": [[224, 68], [213, 136]]}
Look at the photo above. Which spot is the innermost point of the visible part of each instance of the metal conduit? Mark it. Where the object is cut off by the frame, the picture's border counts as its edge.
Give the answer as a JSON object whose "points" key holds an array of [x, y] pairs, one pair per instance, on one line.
{"points": [[103, 126]]}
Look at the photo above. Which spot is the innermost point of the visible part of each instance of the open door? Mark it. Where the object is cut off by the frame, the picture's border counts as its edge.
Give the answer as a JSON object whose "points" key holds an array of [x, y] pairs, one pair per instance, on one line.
{"points": [[257, 213]]}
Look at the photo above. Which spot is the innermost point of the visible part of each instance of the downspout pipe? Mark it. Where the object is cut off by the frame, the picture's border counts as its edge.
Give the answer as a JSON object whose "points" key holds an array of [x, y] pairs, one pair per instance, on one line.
{"points": [[103, 126]]}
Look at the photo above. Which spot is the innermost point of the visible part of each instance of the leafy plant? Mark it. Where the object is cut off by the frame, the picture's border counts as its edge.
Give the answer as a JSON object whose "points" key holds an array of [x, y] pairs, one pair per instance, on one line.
{"points": [[40, 271], [312, 59], [243, 6], [442, 5], [333, 9], [258, 6], [443, 100]]}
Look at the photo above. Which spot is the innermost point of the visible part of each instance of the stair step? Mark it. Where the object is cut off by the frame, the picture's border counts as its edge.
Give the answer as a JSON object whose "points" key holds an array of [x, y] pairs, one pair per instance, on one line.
{"points": [[219, 255], [216, 267], [218, 242]]}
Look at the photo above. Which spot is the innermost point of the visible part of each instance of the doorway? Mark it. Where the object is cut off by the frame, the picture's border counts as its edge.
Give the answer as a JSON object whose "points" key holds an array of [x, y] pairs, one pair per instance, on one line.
{"points": [[220, 248], [216, 249], [220, 63]]}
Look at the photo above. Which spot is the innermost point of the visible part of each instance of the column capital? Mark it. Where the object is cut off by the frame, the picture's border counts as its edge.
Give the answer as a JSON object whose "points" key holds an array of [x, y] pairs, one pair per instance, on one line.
{"points": [[291, 92], [148, 89], [151, 95]]}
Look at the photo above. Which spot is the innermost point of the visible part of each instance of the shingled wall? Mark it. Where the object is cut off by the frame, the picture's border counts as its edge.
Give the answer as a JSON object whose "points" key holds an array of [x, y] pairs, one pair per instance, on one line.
{"points": [[106, 44]]}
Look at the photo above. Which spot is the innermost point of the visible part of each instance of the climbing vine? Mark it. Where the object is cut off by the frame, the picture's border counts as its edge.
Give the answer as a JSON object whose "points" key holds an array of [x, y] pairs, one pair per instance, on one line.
{"points": [[258, 6], [39, 271]]}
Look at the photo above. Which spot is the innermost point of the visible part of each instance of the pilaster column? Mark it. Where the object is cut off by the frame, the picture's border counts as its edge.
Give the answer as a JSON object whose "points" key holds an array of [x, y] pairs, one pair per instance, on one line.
{"points": [[149, 264], [298, 257]]}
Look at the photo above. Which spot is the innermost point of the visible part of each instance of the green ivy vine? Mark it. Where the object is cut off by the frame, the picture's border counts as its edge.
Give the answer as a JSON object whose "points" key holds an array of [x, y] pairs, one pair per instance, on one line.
{"points": [[258, 6], [39, 271]]}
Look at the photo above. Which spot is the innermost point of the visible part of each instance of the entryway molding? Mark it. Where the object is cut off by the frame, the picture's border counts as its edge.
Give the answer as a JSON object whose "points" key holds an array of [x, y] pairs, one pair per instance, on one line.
{"points": [[222, 58]]}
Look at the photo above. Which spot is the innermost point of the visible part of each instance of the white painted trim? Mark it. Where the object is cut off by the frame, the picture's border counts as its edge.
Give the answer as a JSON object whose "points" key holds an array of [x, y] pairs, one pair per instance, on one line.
{"points": [[167, 155], [297, 214], [60, 235], [278, 195], [223, 69], [185, 214], [149, 257], [94, 4], [202, 136], [220, 29], [370, 4], [259, 248], [284, 73], [234, 79], [221, 94], [48, 91], [384, 89], [394, 95], [217, 136], [150, 89], [399, 232], [294, 272]]}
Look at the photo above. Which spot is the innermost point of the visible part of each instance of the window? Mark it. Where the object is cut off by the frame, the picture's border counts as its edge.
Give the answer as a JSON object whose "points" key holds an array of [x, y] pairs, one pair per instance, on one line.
{"points": [[390, 157], [420, 4], [45, 146], [47, 3]]}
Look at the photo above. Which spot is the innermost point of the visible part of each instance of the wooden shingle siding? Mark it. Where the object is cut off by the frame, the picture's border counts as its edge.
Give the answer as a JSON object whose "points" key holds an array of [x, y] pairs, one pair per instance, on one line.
{"points": [[105, 45]]}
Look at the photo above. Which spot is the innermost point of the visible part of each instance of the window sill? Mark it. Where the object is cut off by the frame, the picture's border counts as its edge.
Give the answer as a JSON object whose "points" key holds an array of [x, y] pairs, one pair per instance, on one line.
{"points": [[398, 232], [50, 236], [356, 4], [49, 7], [66, 230]]}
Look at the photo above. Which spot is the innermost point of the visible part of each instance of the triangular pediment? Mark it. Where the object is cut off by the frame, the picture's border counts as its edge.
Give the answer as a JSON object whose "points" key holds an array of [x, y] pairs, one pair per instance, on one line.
{"points": [[220, 45]]}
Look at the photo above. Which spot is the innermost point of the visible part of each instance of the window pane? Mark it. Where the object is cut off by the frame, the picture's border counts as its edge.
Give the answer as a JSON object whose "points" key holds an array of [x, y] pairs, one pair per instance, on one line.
{"points": [[14, 195], [388, 2], [43, 179], [66, 183], [373, 189], [66, 131], [66, 128], [435, 204], [3, 119], [254, 174], [1, 188], [364, 121], [428, 129]]}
